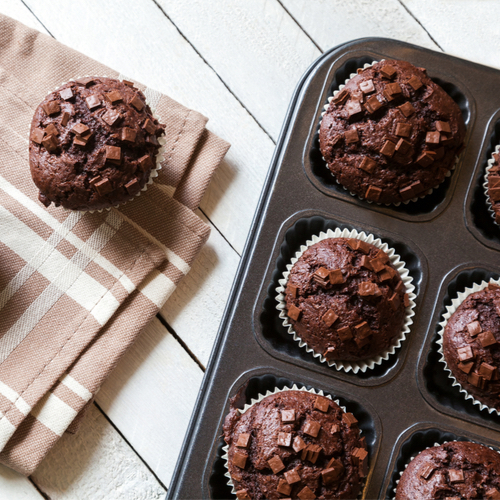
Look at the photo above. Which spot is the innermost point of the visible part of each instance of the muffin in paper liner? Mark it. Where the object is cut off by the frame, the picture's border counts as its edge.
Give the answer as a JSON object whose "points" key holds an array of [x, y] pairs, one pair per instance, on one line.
{"points": [[160, 155], [350, 365], [491, 161], [397, 204], [461, 296], [259, 398]]}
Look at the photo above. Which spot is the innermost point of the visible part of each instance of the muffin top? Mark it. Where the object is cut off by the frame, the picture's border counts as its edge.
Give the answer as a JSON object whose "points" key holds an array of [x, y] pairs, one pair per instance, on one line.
{"points": [[345, 299], [295, 444], [470, 345], [494, 186], [93, 144], [392, 133], [455, 470]]}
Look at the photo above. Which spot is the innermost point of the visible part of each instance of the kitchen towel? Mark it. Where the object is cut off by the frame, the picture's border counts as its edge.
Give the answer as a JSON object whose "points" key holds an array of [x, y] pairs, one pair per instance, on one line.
{"points": [[76, 288]]}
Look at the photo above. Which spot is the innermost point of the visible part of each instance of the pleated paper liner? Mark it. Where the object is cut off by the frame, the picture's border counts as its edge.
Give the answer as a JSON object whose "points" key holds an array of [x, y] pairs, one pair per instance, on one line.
{"points": [[455, 303], [361, 365], [491, 161]]}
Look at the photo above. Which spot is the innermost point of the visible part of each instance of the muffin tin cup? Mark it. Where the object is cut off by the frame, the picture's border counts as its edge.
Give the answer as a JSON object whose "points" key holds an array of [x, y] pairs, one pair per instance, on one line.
{"points": [[397, 204], [491, 161], [400, 265], [455, 303], [159, 156], [259, 398]]}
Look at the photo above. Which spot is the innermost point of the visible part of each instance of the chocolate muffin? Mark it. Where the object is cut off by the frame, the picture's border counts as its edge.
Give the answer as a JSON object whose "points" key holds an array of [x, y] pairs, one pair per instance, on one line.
{"points": [[295, 444], [93, 144], [455, 470], [345, 299], [392, 133], [471, 348], [493, 183]]}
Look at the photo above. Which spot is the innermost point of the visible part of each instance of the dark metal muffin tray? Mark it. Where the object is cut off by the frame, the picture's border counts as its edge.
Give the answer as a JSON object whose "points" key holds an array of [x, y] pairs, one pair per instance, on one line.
{"points": [[448, 241]]}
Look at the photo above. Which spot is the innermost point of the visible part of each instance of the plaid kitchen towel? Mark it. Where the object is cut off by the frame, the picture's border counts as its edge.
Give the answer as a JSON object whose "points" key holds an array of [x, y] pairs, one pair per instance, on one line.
{"points": [[76, 288]]}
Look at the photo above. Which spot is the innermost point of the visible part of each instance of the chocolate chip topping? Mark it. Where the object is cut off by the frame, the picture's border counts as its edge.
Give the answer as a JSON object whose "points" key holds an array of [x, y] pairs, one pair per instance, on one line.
{"points": [[329, 465], [76, 134], [342, 318], [403, 104]]}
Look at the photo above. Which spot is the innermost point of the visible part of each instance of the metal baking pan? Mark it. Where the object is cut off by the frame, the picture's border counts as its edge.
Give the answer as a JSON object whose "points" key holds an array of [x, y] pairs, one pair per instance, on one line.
{"points": [[448, 240]]}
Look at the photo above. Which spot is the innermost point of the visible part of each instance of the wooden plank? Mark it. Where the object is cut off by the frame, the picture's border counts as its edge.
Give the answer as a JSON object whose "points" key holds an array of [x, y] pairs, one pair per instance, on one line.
{"points": [[144, 45], [332, 22], [15, 485], [150, 396], [465, 29], [95, 463]]}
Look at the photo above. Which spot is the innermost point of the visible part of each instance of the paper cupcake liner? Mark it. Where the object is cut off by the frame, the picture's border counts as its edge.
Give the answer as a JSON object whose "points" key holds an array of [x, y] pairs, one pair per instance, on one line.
{"points": [[159, 155], [491, 161], [434, 445], [348, 365], [259, 398], [461, 296], [397, 204]]}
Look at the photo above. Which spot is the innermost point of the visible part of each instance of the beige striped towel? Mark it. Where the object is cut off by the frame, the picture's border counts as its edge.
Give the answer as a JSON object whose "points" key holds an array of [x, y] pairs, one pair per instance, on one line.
{"points": [[76, 288]]}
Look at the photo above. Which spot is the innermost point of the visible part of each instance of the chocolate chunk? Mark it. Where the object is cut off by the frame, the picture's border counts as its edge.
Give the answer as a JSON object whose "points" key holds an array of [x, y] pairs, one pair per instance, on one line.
{"points": [[406, 193], [95, 180], [360, 457], [388, 148], [37, 135], [367, 87], [403, 129], [294, 312], [494, 194], [66, 94], [432, 138], [425, 159], [403, 146], [322, 404], [341, 97], [443, 127], [240, 459], [407, 109], [85, 82], [406, 300], [243, 440], [394, 301], [367, 288], [486, 371], [321, 276], [476, 380], [373, 104], [65, 118], [336, 277], [128, 134], [349, 419], [145, 162], [93, 102], [377, 264], [312, 428], [474, 328], [492, 494], [362, 330], [292, 476], [306, 494], [456, 476], [79, 141], [111, 117], [334, 429], [243, 495], [276, 464], [334, 463], [465, 354], [368, 165], [113, 96], [283, 487], [388, 71], [51, 129], [50, 143], [149, 126], [113, 153], [487, 339], [330, 475], [313, 451], [399, 287], [80, 129], [351, 136], [103, 187], [353, 108], [493, 286], [393, 89], [373, 193], [415, 82], [426, 471], [293, 290], [298, 444], [466, 367], [284, 438], [344, 333], [329, 318], [385, 275], [51, 107], [353, 243], [128, 83], [365, 262], [288, 415], [137, 102]]}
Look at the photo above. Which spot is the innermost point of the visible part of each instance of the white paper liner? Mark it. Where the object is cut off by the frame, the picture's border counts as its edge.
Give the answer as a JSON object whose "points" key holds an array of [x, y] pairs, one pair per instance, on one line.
{"points": [[361, 365], [159, 155], [449, 311], [260, 397], [398, 203], [434, 445], [491, 161]]}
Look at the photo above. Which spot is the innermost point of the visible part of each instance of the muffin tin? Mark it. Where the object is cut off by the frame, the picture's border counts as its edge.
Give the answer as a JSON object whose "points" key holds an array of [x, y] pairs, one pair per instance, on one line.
{"points": [[448, 240]]}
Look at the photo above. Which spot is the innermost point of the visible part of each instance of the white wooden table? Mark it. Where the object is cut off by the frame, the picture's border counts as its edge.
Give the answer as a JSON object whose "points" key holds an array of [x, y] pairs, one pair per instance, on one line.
{"points": [[237, 62]]}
